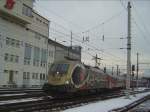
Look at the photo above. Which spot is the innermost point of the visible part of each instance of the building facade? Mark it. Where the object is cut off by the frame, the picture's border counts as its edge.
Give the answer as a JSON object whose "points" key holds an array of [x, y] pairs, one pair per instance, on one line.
{"points": [[61, 52], [23, 44], [26, 53]]}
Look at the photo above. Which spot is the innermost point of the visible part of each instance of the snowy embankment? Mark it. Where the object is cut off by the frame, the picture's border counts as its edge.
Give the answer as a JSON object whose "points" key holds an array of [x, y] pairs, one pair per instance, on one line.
{"points": [[108, 105]]}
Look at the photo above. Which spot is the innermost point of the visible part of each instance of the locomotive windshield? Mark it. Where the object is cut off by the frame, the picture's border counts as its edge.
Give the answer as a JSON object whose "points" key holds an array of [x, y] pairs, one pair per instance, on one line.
{"points": [[59, 68]]}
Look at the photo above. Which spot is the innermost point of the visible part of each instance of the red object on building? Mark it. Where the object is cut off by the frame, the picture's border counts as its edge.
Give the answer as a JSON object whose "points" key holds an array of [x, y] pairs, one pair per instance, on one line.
{"points": [[9, 4]]}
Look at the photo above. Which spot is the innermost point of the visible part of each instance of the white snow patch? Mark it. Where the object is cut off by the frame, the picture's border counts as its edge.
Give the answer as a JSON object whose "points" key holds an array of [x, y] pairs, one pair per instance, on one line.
{"points": [[140, 89], [107, 105], [12, 94], [19, 100]]}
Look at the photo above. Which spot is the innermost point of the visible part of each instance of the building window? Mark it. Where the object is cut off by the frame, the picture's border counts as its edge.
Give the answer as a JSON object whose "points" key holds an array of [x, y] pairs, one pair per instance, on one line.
{"points": [[35, 63], [27, 54], [17, 59], [27, 10], [26, 61], [43, 57], [12, 42], [5, 71], [28, 75], [6, 57], [11, 58], [36, 57], [41, 76], [7, 41], [33, 75], [36, 75], [24, 75]]}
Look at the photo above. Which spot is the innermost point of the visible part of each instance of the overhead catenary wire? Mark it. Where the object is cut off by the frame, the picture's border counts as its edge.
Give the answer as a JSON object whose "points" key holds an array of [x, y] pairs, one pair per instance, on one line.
{"points": [[103, 22], [61, 17], [93, 47], [113, 17], [140, 17]]}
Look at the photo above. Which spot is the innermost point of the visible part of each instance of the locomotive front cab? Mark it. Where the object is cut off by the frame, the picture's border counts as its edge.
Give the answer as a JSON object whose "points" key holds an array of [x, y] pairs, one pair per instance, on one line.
{"points": [[58, 73]]}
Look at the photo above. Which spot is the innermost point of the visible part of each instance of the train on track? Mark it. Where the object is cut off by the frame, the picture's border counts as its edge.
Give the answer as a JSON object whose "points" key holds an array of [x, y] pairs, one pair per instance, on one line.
{"points": [[75, 77]]}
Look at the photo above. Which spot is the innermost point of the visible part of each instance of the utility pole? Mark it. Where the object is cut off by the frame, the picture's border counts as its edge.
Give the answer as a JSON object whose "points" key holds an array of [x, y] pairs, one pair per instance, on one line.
{"points": [[117, 70], [70, 45], [71, 40], [96, 58], [128, 51], [112, 70], [137, 70]]}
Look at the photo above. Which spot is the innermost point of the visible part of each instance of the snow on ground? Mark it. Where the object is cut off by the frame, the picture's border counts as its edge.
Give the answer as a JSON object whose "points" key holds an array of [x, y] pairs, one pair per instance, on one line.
{"points": [[19, 100], [107, 105], [12, 94], [140, 89]]}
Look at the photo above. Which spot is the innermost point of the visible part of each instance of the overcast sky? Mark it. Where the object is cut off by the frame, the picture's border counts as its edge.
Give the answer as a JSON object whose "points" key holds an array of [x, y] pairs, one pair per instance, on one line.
{"points": [[95, 18]]}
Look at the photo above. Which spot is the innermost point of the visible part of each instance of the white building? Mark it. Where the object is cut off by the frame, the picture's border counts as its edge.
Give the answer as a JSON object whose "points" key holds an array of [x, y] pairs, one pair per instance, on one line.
{"points": [[23, 44], [61, 51], [26, 53]]}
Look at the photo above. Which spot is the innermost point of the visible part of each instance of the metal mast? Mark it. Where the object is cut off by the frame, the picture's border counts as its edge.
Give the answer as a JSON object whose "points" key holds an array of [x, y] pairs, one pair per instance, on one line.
{"points": [[128, 48], [71, 40], [117, 70], [137, 70]]}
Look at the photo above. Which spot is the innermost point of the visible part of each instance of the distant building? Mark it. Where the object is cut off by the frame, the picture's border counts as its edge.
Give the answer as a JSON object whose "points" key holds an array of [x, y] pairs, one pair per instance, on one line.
{"points": [[23, 44], [26, 53], [61, 51]]}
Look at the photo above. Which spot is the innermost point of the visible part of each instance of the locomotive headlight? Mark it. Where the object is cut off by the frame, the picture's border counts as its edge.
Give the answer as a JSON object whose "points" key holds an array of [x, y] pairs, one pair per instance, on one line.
{"points": [[67, 82]]}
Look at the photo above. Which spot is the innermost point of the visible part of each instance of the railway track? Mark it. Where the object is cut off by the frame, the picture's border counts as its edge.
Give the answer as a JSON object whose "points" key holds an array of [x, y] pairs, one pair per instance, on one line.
{"points": [[46, 103], [17, 91], [11, 94]]}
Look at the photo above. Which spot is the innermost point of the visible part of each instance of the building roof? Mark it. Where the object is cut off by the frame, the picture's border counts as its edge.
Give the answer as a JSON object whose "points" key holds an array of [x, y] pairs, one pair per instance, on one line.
{"points": [[50, 41]]}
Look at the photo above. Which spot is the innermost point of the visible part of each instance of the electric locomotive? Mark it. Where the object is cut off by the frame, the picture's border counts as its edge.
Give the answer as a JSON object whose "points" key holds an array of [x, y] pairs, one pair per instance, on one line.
{"points": [[74, 77]]}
